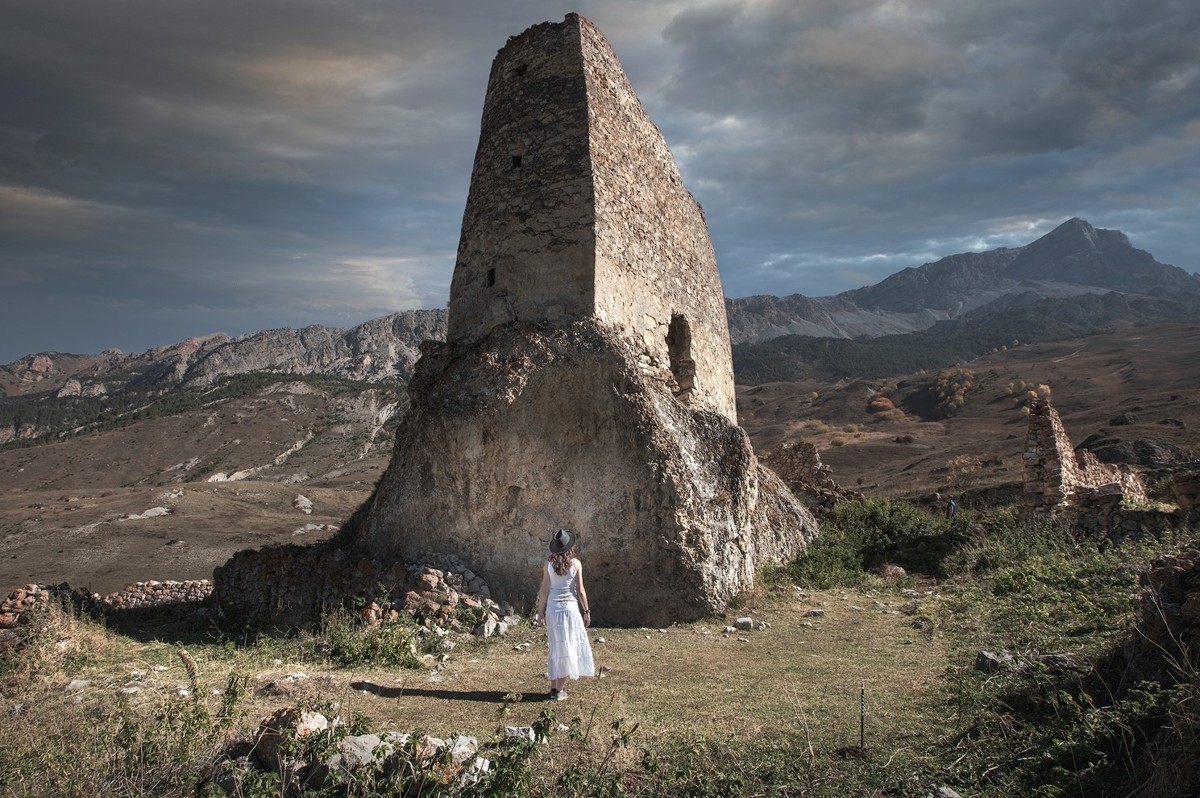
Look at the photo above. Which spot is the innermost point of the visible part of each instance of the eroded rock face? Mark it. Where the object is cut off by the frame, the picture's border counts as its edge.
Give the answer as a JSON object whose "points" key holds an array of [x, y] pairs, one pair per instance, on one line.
{"points": [[510, 438]]}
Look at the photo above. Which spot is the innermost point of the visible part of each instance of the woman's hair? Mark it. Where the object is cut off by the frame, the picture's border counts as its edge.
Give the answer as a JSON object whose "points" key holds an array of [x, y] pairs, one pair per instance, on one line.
{"points": [[562, 561]]}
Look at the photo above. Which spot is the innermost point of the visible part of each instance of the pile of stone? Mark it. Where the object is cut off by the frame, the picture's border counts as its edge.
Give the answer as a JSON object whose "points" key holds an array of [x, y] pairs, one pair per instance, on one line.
{"points": [[448, 599], [283, 746], [155, 594], [22, 600]]}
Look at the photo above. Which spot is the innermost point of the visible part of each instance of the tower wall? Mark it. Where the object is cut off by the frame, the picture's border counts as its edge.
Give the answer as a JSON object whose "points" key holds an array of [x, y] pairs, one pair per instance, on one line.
{"points": [[527, 247], [577, 211], [656, 272]]}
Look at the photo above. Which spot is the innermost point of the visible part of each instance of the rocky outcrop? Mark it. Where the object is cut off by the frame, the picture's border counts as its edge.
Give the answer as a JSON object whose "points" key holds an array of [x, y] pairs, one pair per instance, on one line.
{"points": [[533, 430], [383, 348]]}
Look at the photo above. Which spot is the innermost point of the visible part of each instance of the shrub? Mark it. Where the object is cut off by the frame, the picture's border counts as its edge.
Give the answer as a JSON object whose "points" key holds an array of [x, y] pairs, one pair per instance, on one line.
{"points": [[880, 404], [348, 641], [858, 536]]}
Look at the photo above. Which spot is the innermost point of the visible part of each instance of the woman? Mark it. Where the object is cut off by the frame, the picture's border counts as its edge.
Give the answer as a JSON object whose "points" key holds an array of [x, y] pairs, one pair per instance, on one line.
{"points": [[563, 607]]}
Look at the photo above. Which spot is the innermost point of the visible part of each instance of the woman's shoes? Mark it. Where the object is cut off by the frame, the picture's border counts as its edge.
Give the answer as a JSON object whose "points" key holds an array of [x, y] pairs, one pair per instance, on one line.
{"points": [[558, 695]]}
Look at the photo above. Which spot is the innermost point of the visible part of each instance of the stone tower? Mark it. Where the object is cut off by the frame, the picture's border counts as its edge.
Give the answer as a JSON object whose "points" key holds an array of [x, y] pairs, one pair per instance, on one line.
{"points": [[586, 381], [577, 211]]}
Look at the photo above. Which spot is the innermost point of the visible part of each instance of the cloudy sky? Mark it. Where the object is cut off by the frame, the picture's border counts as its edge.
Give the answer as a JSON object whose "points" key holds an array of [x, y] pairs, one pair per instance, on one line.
{"points": [[170, 167]]}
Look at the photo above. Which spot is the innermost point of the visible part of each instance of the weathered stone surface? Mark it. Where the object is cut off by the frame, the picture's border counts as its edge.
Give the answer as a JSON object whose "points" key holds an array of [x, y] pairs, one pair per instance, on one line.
{"points": [[587, 379], [577, 210], [511, 438]]}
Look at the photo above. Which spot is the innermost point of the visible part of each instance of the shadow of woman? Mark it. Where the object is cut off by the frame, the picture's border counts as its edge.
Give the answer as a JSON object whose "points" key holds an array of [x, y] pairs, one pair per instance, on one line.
{"points": [[487, 696]]}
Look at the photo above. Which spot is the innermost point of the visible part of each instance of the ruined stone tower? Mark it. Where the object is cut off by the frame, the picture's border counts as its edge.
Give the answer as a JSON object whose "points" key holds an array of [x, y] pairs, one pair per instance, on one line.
{"points": [[577, 211], [587, 380]]}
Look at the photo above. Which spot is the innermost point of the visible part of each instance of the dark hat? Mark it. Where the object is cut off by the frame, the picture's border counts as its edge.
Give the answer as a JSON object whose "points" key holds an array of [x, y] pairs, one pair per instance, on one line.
{"points": [[562, 541]]}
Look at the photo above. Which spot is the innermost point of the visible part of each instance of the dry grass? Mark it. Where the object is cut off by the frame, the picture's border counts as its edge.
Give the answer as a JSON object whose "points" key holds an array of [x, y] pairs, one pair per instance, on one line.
{"points": [[799, 679]]}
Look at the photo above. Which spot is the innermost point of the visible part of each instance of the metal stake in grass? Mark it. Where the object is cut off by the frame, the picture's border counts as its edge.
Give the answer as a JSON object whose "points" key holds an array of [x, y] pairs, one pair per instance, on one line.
{"points": [[862, 716]]}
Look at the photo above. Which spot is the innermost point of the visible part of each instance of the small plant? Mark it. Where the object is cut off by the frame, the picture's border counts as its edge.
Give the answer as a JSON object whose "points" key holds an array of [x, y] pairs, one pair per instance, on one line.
{"points": [[961, 470], [348, 641]]}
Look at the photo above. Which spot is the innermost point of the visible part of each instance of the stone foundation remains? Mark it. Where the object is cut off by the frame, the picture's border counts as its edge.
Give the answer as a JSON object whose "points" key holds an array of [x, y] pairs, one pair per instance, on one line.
{"points": [[799, 465], [1062, 482], [1057, 478], [1167, 638]]}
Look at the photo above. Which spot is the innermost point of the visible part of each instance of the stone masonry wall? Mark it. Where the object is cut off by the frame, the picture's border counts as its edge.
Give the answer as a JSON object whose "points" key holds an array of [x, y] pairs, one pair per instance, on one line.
{"points": [[656, 272], [527, 249], [136, 596], [577, 211], [1056, 479], [292, 586], [799, 465]]}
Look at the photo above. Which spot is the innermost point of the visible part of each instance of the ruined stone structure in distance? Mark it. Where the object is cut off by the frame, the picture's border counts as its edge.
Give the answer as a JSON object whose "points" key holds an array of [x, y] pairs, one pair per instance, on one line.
{"points": [[587, 380]]}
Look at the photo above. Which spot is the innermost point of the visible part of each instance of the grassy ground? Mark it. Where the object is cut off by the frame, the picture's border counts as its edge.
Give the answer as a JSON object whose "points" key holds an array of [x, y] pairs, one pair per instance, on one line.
{"points": [[689, 710], [797, 682]]}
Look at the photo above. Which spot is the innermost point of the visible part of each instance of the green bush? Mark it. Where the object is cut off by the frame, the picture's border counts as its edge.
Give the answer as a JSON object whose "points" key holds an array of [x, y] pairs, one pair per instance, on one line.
{"points": [[859, 536], [1043, 727], [347, 641]]}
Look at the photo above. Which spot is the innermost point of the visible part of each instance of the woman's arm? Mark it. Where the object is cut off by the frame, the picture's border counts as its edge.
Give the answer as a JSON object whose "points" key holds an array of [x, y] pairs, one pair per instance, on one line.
{"points": [[543, 595], [584, 606]]}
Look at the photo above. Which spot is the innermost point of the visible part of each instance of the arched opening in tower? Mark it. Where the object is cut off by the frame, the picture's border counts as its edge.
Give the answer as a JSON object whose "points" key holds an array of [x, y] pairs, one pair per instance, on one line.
{"points": [[679, 350]]}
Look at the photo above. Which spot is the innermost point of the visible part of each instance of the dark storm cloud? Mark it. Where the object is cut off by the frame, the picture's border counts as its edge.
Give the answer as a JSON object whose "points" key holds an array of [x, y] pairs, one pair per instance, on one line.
{"points": [[829, 132], [171, 168]]}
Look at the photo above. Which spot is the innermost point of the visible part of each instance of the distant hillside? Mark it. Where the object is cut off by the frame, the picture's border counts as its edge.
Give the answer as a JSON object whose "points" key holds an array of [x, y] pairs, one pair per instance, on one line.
{"points": [[1012, 320], [380, 349], [1076, 280]]}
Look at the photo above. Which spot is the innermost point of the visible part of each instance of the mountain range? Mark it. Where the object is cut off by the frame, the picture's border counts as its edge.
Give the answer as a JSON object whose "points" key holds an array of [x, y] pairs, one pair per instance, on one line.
{"points": [[1075, 280], [1073, 260]]}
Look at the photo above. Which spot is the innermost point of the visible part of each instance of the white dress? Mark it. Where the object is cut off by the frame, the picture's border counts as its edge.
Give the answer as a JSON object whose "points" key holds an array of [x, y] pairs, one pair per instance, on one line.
{"points": [[570, 652]]}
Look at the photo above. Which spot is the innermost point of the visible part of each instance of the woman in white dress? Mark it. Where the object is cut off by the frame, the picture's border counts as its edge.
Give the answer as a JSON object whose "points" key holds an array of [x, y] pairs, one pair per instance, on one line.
{"points": [[563, 607]]}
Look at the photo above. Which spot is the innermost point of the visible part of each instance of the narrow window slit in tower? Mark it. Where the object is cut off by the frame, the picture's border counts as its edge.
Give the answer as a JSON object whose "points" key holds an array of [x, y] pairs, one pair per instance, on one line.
{"points": [[516, 162], [679, 351], [491, 277]]}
